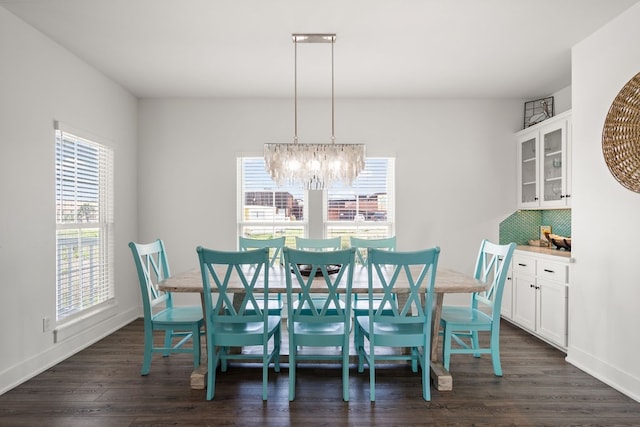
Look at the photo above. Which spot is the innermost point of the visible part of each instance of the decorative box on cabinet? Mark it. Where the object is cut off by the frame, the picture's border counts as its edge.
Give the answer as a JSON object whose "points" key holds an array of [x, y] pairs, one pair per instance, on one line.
{"points": [[544, 164], [539, 296]]}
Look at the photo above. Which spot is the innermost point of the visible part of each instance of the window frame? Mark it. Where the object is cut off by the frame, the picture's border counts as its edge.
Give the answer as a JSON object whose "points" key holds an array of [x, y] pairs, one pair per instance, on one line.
{"points": [[366, 228], [84, 217]]}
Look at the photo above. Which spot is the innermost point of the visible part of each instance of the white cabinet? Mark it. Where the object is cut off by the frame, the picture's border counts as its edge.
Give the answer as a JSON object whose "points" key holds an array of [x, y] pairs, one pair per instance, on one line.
{"points": [[539, 297], [544, 164]]}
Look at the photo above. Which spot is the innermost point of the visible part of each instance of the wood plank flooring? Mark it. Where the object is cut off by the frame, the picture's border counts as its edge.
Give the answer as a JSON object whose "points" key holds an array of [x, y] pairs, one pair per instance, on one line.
{"points": [[102, 386]]}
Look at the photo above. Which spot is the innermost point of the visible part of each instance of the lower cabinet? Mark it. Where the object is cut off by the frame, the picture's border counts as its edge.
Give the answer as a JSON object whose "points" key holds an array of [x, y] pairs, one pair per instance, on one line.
{"points": [[535, 297]]}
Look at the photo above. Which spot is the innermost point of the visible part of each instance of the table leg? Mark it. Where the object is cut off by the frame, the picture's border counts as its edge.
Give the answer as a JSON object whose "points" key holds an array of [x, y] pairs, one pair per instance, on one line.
{"points": [[441, 377], [199, 374]]}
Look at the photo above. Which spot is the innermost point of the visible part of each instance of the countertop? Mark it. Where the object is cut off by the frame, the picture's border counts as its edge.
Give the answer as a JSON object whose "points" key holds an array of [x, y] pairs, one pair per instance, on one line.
{"points": [[554, 254]]}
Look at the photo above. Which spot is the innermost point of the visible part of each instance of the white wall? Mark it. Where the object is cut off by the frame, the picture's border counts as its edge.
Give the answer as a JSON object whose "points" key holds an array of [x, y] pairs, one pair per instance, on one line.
{"points": [[605, 286], [455, 165], [40, 82]]}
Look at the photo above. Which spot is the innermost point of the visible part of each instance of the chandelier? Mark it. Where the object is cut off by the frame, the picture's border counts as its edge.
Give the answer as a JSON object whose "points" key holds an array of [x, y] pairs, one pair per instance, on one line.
{"points": [[313, 166]]}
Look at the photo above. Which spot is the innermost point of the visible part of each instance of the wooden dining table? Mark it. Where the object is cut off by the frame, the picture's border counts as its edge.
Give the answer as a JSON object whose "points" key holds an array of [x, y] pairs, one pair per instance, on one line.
{"points": [[447, 281]]}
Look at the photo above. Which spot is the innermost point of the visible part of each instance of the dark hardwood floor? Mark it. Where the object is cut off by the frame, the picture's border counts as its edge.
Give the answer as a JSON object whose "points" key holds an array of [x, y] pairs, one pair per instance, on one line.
{"points": [[102, 386]]}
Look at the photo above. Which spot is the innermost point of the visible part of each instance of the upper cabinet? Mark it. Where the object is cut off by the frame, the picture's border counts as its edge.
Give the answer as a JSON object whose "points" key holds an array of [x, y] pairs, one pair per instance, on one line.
{"points": [[544, 164]]}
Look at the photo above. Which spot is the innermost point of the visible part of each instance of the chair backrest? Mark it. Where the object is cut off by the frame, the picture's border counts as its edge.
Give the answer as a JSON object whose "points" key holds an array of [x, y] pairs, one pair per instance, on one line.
{"points": [[225, 272], [319, 277], [492, 268], [361, 245], [152, 266], [276, 244], [319, 245], [418, 270]]}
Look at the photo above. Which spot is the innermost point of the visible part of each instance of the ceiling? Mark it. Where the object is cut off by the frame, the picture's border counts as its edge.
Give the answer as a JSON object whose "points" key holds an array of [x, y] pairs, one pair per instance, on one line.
{"points": [[384, 48]]}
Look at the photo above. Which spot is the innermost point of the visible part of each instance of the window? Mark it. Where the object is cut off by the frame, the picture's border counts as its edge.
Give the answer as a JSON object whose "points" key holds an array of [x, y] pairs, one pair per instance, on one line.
{"points": [[84, 224], [364, 209], [265, 210]]}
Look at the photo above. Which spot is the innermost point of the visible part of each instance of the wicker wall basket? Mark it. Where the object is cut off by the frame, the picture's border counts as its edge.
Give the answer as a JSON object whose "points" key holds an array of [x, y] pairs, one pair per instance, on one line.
{"points": [[621, 136]]}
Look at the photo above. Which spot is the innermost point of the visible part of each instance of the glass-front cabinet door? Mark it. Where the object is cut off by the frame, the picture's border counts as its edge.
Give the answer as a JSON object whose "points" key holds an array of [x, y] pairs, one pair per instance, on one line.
{"points": [[553, 163], [528, 165], [543, 164]]}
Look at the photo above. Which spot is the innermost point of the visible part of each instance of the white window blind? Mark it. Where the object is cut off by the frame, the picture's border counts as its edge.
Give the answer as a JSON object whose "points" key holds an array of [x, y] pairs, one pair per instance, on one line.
{"points": [[366, 208], [84, 224], [266, 210]]}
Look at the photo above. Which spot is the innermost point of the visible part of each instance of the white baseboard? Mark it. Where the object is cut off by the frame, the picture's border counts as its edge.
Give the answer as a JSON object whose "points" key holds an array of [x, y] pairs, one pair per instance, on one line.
{"points": [[622, 381], [64, 348]]}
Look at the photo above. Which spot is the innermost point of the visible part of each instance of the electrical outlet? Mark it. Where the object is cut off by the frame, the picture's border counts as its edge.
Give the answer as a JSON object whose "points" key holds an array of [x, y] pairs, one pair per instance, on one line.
{"points": [[46, 324]]}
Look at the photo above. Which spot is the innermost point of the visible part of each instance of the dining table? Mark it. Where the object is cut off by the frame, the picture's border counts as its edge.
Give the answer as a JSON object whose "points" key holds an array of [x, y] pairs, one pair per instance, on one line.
{"points": [[448, 281]]}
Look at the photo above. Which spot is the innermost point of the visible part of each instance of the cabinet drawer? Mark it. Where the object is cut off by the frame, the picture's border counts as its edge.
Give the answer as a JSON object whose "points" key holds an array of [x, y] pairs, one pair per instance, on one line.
{"points": [[552, 270], [524, 265]]}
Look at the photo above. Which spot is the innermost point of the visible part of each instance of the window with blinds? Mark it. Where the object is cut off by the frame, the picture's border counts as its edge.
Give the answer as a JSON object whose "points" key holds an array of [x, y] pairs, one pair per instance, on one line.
{"points": [[84, 224], [266, 210], [366, 208]]}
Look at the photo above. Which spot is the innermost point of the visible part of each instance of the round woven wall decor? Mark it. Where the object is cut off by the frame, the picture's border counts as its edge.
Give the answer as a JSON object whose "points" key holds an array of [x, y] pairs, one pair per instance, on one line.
{"points": [[621, 136]]}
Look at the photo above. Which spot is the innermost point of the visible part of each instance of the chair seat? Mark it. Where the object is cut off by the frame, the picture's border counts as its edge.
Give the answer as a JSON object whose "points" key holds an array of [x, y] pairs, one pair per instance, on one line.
{"points": [[179, 315], [395, 330], [361, 306], [465, 315], [304, 328], [233, 328]]}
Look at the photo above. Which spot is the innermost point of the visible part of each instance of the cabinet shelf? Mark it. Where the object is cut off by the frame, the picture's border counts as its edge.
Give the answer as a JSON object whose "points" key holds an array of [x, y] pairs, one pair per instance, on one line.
{"points": [[553, 153]]}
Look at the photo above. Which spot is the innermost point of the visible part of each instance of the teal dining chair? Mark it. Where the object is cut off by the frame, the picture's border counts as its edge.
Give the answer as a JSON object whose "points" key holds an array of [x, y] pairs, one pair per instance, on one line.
{"points": [[183, 323], [463, 324], [331, 244], [319, 323], [243, 323], [275, 245], [409, 323], [361, 245], [360, 305]]}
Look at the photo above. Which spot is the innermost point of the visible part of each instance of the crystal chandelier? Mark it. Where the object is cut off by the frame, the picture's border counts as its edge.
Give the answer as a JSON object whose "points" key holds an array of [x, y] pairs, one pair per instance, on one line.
{"points": [[313, 166]]}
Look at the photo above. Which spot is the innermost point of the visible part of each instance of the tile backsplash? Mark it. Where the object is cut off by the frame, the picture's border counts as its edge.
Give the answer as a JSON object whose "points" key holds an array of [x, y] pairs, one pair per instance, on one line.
{"points": [[524, 225]]}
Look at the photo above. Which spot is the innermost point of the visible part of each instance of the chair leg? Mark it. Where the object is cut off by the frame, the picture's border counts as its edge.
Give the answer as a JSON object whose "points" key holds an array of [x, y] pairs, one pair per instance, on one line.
{"points": [[372, 373], [446, 348], [414, 359], [168, 338], [276, 350], [223, 358], [292, 364], [495, 353], [265, 372], [148, 351], [475, 342], [195, 341], [359, 343], [212, 364], [345, 370], [425, 362]]}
